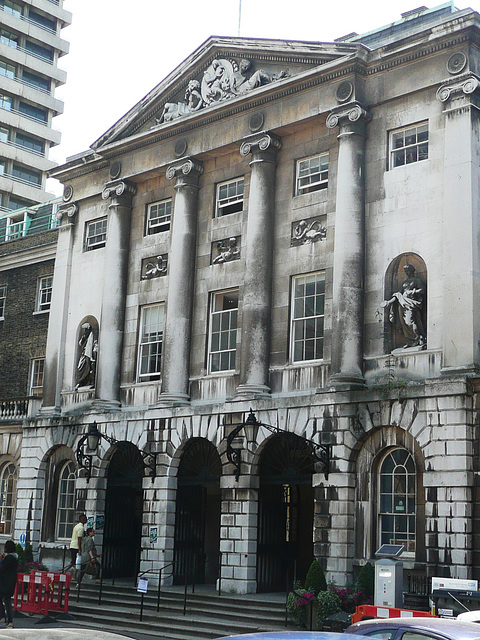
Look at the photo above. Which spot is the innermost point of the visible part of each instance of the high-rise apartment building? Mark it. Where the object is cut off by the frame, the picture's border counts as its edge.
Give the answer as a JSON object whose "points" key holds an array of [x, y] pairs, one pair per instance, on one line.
{"points": [[30, 49]]}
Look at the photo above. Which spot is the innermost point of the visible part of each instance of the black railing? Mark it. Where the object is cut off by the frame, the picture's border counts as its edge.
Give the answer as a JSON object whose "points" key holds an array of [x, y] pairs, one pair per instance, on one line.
{"points": [[188, 580]]}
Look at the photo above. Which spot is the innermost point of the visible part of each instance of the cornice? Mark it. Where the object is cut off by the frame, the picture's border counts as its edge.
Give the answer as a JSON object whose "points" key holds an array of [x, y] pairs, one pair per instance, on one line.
{"points": [[28, 256]]}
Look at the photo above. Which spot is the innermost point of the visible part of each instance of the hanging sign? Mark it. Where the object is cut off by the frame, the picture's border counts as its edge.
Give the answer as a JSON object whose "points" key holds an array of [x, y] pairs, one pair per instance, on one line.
{"points": [[142, 585]]}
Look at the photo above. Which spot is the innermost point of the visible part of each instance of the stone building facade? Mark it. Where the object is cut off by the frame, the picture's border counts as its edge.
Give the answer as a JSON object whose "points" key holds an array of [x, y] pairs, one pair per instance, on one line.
{"points": [[265, 302]]}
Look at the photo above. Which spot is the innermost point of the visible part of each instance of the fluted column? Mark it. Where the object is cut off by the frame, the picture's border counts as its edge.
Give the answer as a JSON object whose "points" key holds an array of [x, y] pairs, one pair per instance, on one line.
{"points": [[58, 317], [181, 271], [257, 288], [348, 259], [460, 98], [112, 319]]}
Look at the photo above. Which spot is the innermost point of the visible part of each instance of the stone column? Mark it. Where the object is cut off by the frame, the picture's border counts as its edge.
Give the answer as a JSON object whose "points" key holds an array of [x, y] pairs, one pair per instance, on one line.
{"points": [[349, 247], [461, 224], [181, 271], [114, 292], [57, 326], [257, 288]]}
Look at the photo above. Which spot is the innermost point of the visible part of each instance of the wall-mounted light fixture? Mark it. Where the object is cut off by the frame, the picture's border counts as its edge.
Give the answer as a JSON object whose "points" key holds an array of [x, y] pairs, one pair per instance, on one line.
{"points": [[320, 452], [90, 442]]}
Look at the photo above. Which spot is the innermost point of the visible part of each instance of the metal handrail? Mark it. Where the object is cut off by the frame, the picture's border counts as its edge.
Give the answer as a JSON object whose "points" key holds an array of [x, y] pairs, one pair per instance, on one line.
{"points": [[150, 571]]}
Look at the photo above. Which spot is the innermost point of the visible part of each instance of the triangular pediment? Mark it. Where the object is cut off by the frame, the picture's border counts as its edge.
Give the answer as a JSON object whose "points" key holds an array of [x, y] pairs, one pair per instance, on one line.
{"points": [[222, 69]]}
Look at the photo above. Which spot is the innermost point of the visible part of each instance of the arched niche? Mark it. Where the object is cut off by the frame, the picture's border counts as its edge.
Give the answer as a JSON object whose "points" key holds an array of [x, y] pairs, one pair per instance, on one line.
{"points": [[86, 353], [405, 304]]}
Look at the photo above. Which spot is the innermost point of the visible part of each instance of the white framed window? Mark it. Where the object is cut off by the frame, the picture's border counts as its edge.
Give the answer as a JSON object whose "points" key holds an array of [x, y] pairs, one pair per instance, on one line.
{"points": [[44, 293], [16, 226], [159, 216], [307, 313], [222, 344], [66, 500], [4, 133], [150, 343], [36, 377], [3, 300], [8, 497], [95, 234], [229, 197], [397, 499], [311, 174], [409, 145]]}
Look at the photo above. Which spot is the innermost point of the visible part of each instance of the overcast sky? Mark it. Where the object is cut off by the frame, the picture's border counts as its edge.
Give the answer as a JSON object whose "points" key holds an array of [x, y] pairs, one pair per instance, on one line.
{"points": [[117, 56]]}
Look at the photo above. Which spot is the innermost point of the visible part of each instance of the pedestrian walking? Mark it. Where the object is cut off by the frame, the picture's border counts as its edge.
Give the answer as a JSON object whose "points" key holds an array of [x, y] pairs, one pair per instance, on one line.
{"points": [[76, 544], [8, 580], [90, 563]]}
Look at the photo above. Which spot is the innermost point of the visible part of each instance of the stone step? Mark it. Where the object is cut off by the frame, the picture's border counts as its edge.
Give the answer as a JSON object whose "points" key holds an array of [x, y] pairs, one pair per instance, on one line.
{"points": [[207, 616]]}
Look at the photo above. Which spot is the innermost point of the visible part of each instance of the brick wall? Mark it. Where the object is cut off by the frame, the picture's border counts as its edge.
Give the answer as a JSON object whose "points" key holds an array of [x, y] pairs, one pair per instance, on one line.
{"points": [[23, 333]]}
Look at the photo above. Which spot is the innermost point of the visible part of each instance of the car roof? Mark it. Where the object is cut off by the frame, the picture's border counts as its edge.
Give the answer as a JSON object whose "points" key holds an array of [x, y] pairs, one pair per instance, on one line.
{"points": [[452, 628], [59, 634], [294, 635]]}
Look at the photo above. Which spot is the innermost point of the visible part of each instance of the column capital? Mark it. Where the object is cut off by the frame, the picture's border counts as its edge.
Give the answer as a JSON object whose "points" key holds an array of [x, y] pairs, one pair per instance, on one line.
{"points": [[466, 84], [260, 142], [68, 209], [347, 113], [118, 188], [187, 171]]}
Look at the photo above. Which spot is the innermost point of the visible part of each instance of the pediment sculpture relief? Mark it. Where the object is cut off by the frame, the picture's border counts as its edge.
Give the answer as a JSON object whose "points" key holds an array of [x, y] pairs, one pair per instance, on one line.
{"points": [[223, 79]]}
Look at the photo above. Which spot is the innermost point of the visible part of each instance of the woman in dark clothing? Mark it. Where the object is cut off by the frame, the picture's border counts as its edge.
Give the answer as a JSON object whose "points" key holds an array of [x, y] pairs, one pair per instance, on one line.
{"points": [[8, 580]]}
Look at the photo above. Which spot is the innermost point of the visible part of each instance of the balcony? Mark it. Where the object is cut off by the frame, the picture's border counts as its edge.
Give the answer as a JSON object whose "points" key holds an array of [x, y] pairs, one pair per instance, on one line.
{"points": [[19, 409]]}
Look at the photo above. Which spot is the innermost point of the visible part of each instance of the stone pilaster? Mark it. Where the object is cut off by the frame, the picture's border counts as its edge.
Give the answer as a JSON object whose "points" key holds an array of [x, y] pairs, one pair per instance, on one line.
{"points": [[348, 260], [461, 224], [181, 269], [117, 249], [257, 290], [57, 328], [238, 534]]}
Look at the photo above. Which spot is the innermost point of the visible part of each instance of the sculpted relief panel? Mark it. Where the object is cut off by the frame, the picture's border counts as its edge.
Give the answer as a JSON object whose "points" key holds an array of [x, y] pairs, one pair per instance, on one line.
{"points": [[223, 79]]}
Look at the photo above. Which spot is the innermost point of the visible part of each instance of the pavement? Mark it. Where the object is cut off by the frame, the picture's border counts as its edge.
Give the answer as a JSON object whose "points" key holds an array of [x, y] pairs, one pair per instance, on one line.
{"points": [[38, 622]]}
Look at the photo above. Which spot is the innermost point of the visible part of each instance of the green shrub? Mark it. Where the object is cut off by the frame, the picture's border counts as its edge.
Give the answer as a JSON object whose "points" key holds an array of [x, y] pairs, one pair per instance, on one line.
{"points": [[296, 605], [366, 580], [315, 580], [328, 604]]}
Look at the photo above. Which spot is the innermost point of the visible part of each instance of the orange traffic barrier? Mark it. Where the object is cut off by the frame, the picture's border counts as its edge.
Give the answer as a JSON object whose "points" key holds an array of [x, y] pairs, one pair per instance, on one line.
{"points": [[374, 611], [41, 592]]}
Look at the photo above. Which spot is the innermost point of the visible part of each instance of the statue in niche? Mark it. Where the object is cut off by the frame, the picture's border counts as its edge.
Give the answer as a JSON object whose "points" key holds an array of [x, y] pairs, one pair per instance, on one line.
{"points": [[306, 232], [409, 301], [228, 250], [246, 79], [87, 360], [193, 102]]}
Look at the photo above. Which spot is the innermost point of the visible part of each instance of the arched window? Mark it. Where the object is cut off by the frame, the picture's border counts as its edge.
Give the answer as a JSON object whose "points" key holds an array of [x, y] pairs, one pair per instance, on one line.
{"points": [[8, 497], [397, 499], [66, 500]]}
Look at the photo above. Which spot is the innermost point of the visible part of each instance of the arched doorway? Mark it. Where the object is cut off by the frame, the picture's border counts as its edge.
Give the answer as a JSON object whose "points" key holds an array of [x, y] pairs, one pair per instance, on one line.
{"points": [[123, 512], [285, 512], [197, 516]]}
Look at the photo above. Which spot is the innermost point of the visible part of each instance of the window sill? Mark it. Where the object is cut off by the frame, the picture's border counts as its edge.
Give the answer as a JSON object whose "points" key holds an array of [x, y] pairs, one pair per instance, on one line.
{"points": [[41, 313]]}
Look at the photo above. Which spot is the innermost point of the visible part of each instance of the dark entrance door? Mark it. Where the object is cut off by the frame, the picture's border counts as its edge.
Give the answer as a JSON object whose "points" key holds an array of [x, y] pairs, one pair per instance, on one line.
{"points": [[197, 517], [285, 513], [123, 512]]}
